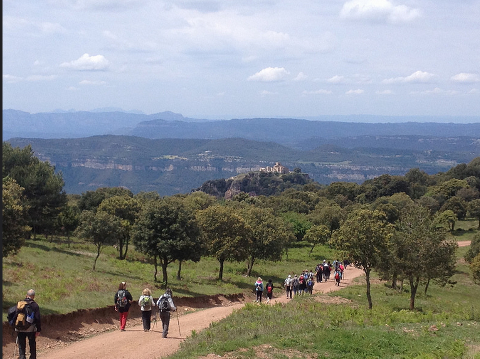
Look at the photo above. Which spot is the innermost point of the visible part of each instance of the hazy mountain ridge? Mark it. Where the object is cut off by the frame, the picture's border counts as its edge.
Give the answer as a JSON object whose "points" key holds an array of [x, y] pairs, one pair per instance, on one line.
{"points": [[288, 131]]}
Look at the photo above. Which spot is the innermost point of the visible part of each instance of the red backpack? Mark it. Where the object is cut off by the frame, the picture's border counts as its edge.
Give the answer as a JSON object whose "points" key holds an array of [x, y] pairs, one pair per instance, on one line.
{"points": [[269, 288]]}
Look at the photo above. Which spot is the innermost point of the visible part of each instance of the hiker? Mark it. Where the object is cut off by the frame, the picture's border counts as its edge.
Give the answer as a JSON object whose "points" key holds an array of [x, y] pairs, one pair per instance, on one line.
{"points": [[146, 303], [310, 284], [295, 285], [165, 306], [302, 285], [337, 278], [269, 288], [288, 286], [123, 299], [259, 290], [32, 331], [319, 272]]}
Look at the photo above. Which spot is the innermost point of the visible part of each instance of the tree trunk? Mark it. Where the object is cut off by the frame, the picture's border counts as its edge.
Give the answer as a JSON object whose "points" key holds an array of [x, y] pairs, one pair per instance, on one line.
{"points": [[426, 286], [164, 264], [98, 255], [413, 291], [394, 281], [369, 295], [220, 271], [311, 249], [126, 247], [179, 270], [250, 265], [120, 248], [155, 263]]}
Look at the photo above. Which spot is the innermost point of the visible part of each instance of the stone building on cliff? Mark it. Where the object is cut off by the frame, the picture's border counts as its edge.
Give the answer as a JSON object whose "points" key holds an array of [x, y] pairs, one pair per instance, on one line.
{"points": [[277, 168]]}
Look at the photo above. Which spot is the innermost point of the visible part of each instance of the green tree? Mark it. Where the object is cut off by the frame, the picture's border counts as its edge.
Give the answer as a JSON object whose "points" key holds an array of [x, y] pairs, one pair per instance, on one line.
{"points": [[362, 239], [225, 233], [475, 269], [126, 209], [68, 220], [330, 216], [317, 234], [457, 205], [269, 235], [473, 208], [101, 228], [474, 249], [43, 188], [447, 219], [421, 249], [167, 231], [90, 200], [14, 217]]}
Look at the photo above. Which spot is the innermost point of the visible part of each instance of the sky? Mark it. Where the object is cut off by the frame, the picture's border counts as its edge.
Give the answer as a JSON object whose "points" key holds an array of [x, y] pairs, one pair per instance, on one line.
{"points": [[243, 59]]}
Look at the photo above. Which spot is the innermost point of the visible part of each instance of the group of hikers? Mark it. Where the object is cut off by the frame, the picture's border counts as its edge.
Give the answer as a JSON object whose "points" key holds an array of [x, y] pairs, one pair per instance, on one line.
{"points": [[123, 300], [296, 285], [304, 282]]}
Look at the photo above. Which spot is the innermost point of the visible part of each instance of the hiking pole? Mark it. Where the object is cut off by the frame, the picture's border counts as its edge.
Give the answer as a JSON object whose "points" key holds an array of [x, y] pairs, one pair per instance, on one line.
{"points": [[178, 321], [15, 348]]}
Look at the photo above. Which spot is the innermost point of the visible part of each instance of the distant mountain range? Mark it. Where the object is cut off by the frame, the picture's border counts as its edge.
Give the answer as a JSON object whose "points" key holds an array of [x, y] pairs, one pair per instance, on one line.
{"points": [[170, 154], [291, 132]]}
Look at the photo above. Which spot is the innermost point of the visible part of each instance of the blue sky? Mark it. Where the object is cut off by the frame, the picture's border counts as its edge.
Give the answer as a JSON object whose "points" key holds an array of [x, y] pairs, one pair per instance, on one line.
{"points": [[239, 59]]}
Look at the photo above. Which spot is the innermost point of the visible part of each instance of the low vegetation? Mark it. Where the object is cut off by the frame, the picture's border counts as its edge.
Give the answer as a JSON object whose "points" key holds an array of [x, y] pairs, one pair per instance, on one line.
{"points": [[444, 324]]}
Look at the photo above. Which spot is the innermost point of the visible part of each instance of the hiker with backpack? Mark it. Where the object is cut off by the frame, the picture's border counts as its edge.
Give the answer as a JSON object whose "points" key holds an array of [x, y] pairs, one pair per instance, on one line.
{"points": [[123, 299], [269, 288], [27, 323], [337, 278], [259, 290], [165, 306], [295, 285], [310, 284], [288, 286], [146, 303]]}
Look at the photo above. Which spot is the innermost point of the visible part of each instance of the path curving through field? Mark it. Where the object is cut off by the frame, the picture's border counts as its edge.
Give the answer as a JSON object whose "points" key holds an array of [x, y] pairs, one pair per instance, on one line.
{"points": [[134, 342]]}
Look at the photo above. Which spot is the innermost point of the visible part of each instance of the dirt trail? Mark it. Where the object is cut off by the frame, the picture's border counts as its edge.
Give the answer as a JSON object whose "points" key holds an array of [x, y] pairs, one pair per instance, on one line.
{"points": [[134, 342]]}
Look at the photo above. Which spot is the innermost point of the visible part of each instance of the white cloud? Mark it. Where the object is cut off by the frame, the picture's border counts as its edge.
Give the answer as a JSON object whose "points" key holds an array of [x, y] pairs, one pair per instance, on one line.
{"points": [[474, 91], [41, 77], [300, 77], [337, 80], [435, 91], [87, 62], [270, 74], [416, 77], [94, 83], [384, 92], [378, 10], [354, 92], [464, 77], [11, 79], [51, 28], [317, 92], [268, 93]]}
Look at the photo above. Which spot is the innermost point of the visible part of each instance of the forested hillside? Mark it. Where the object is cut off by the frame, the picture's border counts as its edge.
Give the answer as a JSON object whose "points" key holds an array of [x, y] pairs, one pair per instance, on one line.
{"points": [[170, 166]]}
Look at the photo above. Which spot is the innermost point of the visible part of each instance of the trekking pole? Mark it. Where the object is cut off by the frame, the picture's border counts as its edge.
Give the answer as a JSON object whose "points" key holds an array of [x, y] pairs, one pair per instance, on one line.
{"points": [[15, 348], [178, 321]]}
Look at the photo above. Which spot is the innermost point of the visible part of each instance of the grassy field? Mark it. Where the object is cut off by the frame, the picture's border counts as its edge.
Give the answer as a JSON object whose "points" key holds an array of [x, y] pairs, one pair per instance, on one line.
{"points": [[445, 324]]}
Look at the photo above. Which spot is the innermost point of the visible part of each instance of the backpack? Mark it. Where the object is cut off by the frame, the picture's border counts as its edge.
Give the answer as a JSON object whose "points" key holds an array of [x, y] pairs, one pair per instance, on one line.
{"points": [[164, 305], [145, 301], [269, 288], [288, 282], [22, 317], [122, 298], [337, 275]]}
